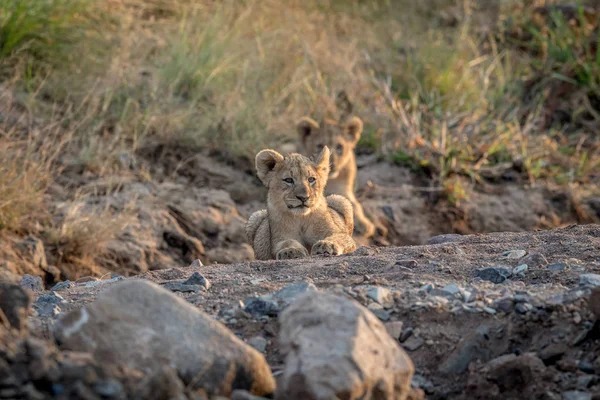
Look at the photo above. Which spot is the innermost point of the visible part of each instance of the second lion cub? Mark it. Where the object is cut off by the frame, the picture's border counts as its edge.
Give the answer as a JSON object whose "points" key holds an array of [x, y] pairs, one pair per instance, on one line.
{"points": [[299, 219]]}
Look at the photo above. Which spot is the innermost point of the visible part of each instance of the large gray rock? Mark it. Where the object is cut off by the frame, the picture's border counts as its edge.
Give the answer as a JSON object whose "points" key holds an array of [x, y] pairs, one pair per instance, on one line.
{"points": [[140, 325], [336, 348], [15, 303]]}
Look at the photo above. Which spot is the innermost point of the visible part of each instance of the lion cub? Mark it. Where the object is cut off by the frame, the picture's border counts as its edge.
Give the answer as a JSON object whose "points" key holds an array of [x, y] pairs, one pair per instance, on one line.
{"points": [[342, 138], [299, 219]]}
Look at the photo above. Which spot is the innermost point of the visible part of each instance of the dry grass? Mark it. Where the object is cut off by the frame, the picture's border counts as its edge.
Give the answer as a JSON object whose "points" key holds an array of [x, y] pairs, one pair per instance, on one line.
{"points": [[447, 87]]}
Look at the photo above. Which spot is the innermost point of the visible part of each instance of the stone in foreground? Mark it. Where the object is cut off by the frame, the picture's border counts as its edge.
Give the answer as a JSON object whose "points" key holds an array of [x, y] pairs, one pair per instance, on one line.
{"points": [[336, 348], [139, 325]]}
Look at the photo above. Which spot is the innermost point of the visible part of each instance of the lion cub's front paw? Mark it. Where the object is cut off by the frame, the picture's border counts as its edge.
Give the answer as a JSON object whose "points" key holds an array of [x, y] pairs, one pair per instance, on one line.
{"points": [[291, 253], [325, 247]]}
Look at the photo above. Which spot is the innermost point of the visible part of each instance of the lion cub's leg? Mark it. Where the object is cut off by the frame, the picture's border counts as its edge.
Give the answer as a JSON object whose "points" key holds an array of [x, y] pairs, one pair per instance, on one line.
{"points": [[334, 245], [288, 249]]}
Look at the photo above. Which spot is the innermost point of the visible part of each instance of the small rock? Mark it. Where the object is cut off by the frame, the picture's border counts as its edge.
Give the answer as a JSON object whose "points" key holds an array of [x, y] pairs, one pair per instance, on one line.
{"points": [[319, 331], [259, 343], [406, 334], [557, 267], [586, 367], [489, 310], [257, 281], [48, 310], [476, 346], [181, 287], [139, 325], [426, 288], [381, 295], [375, 306], [62, 285], [576, 318], [535, 260], [382, 315], [413, 343], [589, 280], [523, 308], [33, 283], [514, 254], [421, 382], [196, 263], [504, 304], [447, 238], [197, 279], [15, 303], [594, 302], [49, 298], [109, 388], [494, 274], [288, 294], [407, 263], [263, 305], [576, 395], [86, 279], [394, 328], [584, 382], [452, 289], [521, 269]]}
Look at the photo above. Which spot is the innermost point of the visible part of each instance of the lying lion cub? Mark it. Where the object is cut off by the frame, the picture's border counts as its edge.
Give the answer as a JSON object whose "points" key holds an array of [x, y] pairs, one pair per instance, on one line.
{"points": [[299, 219]]}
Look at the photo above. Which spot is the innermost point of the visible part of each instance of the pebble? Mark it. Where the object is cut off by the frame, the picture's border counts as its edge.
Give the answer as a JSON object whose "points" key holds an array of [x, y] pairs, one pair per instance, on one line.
{"points": [[197, 279], [494, 274], [521, 269], [261, 306], [381, 295], [586, 367], [109, 388], [589, 279], [49, 298], [394, 328], [406, 334], [419, 381], [33, 283], [535, 260], [489, 310], [426, 288], [413, 343], [62, 285], [576, 395], [504, 304], [382, 315], [447, 238], [577, 318], [407, 263], [557, 267], [515, 254], [584, 382], [289, 293], [259, 343], [452, 289], [196, 263], [523, 308], [48, 310]]}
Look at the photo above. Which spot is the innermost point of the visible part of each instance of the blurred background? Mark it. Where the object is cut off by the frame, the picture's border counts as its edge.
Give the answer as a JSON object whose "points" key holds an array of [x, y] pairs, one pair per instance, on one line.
{"points": [[128, 128]]}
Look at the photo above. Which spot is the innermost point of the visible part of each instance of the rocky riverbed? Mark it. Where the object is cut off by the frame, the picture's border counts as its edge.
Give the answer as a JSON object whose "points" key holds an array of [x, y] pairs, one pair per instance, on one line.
{"points": [[491, 316]]}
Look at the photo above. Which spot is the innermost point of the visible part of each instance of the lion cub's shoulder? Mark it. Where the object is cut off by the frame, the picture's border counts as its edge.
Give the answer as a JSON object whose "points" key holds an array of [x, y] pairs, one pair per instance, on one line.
{"points": [[343, 207]]}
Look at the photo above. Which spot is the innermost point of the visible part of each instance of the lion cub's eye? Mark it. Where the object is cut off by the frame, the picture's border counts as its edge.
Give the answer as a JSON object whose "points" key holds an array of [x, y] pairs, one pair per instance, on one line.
{"points": [[288, 180], [311, 180], [339, 148]]}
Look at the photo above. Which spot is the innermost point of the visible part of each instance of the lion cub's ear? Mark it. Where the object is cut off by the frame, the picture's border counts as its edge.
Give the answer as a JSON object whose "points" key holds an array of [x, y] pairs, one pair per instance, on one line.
{"points": [[306, 127], [266, 161], [322, 162], [354, 128]]}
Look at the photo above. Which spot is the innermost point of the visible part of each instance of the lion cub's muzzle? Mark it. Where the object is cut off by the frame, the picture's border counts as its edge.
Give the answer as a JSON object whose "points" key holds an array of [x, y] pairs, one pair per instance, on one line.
{"points": [[300, 202]]}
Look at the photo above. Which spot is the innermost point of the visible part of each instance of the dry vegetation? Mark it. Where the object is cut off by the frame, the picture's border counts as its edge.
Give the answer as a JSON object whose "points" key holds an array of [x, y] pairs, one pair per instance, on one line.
{"points": [[458, 90]]}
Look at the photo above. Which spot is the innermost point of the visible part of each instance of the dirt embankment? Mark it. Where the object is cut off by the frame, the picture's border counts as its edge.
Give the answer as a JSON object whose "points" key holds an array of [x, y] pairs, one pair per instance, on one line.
{"points": [[506, 315]]}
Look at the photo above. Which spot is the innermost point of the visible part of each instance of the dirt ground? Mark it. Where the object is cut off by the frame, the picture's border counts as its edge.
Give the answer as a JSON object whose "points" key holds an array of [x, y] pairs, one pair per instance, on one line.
{"points": [[538, 321]]}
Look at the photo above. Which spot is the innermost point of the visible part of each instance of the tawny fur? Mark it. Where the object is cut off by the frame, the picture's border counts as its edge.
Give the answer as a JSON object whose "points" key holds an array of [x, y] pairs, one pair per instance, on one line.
{"points": [[341, 139], [299, 219]]}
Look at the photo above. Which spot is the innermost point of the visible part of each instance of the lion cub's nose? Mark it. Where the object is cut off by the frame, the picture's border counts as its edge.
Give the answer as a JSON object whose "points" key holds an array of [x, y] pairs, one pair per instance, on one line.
{"points": [[302, 198]]}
